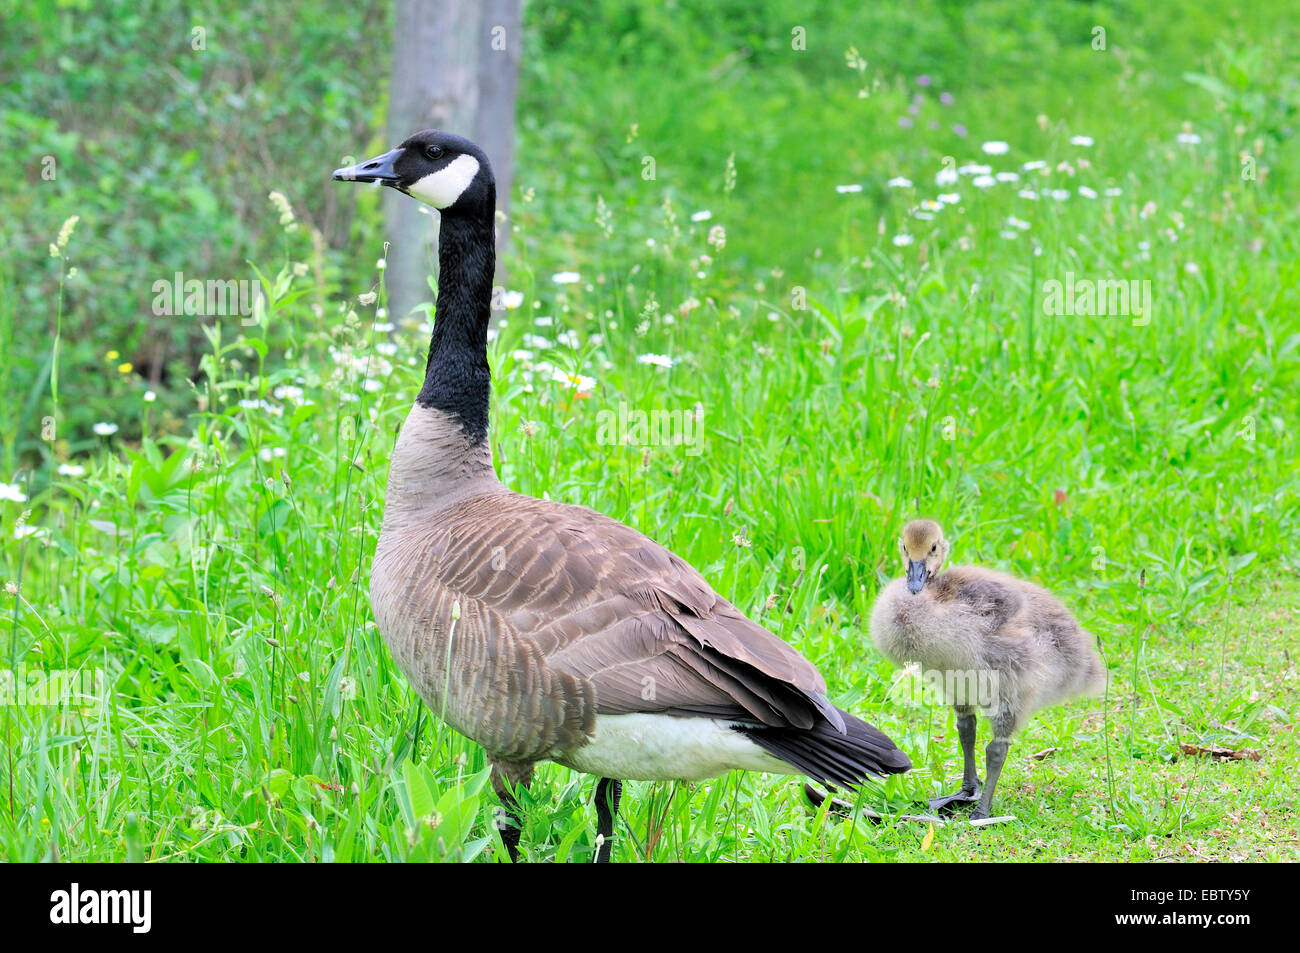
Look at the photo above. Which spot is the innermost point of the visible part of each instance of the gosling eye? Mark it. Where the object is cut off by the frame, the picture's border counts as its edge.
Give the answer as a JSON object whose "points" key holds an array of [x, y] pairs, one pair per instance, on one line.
{"points": [[433, 152], [934, 548]]}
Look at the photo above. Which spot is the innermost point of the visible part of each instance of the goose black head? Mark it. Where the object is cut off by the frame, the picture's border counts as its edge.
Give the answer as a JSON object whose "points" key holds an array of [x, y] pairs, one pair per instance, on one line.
{"points": [[438, 168], [924, 550]]}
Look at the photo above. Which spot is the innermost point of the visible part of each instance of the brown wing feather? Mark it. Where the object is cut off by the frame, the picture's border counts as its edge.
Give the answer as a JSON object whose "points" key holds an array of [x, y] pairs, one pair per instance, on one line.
{"points": [[580, 596]]}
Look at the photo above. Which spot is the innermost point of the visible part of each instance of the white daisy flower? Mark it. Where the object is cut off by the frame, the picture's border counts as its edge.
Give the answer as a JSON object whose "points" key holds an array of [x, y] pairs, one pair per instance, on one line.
{"points": [[1112, 192], [1017, 223], [1086, 192], [1032, 166], [658, 360], [903, 239], [1007, 177], [150, 397], [12, 492], [512, 299], [983, 181], [1028, 194], [575, 380], [1060, 194], [974, 169], [949, 198], [845, 189], [945, 177], [899, 182], [104, 429], [1189, 138], [703, 215], [996, 148], [71, 470], [1085, 141], [566, 277]]}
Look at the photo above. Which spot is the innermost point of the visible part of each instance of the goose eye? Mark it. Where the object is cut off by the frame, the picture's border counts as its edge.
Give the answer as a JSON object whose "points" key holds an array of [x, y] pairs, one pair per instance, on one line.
{"points": [[934, 548], [433, 152]]}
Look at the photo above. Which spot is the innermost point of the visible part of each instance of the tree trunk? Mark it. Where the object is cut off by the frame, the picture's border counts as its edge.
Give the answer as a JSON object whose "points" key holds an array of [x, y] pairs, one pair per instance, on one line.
{"points": [[455, 67], [494, 130], [434, 84]]}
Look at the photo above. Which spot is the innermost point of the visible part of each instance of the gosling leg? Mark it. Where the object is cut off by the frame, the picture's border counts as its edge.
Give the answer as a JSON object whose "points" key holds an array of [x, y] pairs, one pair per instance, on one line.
{"points": [[995, 756], [970, 782], [608, 793]]}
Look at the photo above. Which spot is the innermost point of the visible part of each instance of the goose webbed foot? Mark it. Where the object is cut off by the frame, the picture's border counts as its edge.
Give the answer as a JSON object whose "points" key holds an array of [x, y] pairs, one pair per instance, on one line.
{"points": [[608, 793], [838, 806]]}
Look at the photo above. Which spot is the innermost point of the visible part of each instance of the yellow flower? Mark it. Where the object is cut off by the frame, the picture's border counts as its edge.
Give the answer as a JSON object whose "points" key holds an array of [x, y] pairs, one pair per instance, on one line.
{"points": [[125, 367], [112, 356]]}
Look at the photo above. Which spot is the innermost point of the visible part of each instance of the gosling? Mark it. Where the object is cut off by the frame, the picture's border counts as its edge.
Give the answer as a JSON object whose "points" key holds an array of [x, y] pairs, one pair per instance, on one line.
{"points": [[993, 642]]}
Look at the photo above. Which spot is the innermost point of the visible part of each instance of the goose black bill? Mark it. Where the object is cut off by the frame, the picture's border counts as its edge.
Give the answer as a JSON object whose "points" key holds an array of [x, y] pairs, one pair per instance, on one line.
{"points": [[379, 169]]}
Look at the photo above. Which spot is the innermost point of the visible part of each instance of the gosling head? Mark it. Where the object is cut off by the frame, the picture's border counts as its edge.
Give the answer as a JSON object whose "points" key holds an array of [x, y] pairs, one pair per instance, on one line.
{"points": [[924, 549], [437, 168]]}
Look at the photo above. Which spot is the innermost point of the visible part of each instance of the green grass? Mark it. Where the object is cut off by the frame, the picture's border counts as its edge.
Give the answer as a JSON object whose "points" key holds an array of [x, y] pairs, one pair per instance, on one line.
{"points": [[215, 571]]}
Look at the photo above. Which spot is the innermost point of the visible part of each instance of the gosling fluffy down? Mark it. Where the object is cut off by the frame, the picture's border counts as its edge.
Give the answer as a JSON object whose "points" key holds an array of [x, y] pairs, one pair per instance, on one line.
{"points": [[989, 641]]}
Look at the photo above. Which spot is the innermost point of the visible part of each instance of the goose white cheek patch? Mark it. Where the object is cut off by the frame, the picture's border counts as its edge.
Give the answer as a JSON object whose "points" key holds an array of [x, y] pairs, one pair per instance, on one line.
{"points": [[442, 188]]}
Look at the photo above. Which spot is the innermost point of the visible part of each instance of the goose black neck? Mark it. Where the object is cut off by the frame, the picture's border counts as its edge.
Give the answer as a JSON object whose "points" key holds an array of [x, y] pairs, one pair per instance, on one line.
{"points": [[457, 379]]}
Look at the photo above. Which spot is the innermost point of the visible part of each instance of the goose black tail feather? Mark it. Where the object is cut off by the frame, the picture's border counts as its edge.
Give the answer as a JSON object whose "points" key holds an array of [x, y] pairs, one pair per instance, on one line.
{"points": [[825, 755]]}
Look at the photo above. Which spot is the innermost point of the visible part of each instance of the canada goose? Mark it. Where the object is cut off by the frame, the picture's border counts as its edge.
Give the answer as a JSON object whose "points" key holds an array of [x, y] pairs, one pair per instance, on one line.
{"points": [[550, 632], [990, 640]]}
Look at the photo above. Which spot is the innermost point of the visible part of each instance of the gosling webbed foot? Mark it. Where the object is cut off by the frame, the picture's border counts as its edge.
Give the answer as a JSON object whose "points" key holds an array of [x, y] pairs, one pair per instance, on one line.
{"points": [[950, 803]]}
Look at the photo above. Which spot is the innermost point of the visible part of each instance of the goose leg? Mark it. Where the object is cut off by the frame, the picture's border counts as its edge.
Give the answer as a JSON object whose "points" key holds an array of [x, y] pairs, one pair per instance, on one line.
{"points": [[506, 778], [608, 792], [970, 782]]}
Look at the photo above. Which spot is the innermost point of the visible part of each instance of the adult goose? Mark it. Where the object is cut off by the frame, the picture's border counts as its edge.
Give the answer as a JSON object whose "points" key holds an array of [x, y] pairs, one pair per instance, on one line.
{"points": [[997, 643], [544, 631]]}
